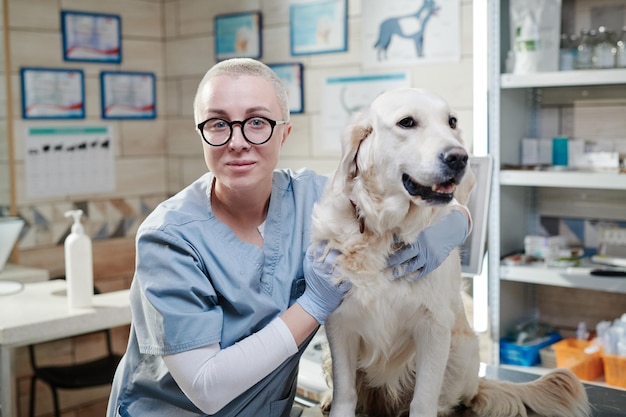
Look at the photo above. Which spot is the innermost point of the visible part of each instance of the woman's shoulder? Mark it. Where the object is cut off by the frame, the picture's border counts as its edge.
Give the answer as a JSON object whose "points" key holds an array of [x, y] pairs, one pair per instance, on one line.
{"points": [[189, 205]]}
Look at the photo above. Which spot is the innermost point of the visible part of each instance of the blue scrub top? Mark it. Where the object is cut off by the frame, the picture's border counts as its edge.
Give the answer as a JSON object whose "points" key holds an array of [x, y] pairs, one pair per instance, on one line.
{"points": [[196, 284]]}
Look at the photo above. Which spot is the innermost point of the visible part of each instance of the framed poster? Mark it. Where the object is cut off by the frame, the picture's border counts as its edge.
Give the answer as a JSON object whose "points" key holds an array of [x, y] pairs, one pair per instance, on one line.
{"points": [[318, 26], [292, 76], [345, 95], [53, 93], [128, 95], [68, 160], [91, 37], [238, 35], [398, 33]]}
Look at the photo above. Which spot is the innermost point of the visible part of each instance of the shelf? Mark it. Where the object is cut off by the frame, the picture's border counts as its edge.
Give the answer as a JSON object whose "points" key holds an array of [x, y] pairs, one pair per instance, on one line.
{"points": [[564, 78], [558, 278], [569, 179]]}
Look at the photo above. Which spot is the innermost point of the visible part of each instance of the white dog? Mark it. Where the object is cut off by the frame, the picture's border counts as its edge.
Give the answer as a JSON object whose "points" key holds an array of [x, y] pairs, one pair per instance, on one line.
{"points": [[405, 348]]}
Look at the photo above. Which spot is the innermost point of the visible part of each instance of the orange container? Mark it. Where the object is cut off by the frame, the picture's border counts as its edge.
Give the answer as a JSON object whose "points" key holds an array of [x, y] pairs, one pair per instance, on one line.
{"points": [[615, 370], [570, 353]]}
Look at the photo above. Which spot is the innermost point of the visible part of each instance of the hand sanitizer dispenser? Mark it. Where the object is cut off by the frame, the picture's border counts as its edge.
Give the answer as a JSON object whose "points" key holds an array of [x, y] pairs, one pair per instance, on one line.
{"points": [[78, 264]]}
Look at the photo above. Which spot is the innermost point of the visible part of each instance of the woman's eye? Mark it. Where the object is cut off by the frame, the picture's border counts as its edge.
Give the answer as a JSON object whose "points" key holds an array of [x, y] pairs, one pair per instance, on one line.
{"points": [[407, 123], [257, 123], [217, 124], [452, 122]]}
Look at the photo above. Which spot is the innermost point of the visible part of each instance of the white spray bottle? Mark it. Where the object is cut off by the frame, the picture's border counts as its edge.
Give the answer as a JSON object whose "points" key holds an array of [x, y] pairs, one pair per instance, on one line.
{"points": [[78, 264]]}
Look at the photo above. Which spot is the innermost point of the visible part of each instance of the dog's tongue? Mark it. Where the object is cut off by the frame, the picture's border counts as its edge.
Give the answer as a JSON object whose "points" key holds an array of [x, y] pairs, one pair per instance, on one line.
{"points": [[445, 188]]}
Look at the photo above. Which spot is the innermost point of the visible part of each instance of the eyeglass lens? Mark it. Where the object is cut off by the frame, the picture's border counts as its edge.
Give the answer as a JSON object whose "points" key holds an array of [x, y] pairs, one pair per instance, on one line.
{"points": [[256, 130]]}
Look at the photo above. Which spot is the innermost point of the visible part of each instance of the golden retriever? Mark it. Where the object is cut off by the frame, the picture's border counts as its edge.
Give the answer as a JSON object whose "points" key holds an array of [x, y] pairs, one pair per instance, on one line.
{"points": [[402, 348]]}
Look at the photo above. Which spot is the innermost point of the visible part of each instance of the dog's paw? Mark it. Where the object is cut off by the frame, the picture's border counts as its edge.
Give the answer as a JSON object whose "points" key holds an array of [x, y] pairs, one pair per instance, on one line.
{"points": [[326, 402]]}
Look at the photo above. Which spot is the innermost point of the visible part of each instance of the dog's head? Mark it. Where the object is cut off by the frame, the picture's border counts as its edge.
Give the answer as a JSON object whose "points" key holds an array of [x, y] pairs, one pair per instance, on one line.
{"points": [[405, 149]]}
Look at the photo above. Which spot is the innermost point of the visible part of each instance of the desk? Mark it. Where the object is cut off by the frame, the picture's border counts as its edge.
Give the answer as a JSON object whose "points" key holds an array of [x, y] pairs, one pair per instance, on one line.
{"points": [[39, 313], [23, 274]]}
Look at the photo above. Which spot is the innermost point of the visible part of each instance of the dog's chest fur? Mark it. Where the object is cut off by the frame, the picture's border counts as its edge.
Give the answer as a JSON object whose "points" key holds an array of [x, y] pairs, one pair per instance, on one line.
{"points": [[379, 314]]}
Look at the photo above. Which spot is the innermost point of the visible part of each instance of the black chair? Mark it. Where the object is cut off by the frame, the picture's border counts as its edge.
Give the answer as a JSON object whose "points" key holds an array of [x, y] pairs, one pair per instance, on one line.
{"points": [[88, 374]]}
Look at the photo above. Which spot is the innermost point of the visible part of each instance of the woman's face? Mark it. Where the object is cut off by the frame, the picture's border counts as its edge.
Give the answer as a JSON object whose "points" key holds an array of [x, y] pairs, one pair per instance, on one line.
{"points": [[238, 165]]}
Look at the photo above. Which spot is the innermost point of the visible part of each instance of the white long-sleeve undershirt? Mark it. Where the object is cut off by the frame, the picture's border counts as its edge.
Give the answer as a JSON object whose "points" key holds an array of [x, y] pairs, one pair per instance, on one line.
{"points": [[212, 377]]}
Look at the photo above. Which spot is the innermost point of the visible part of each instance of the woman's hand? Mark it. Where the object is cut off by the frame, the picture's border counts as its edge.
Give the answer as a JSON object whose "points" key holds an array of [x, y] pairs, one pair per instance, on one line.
{"points": [[432, 247], [324, 288]]}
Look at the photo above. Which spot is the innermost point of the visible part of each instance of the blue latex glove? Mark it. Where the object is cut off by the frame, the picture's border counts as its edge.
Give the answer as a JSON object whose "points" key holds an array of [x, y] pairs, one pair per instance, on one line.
{"points": [[321, 296], [432, 247]]}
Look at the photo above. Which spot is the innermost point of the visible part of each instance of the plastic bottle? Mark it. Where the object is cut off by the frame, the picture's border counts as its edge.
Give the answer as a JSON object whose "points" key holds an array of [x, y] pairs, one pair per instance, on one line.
{"points": [[585, 50], [581, 331], [566, 53], [78, 264], [620, 56]]}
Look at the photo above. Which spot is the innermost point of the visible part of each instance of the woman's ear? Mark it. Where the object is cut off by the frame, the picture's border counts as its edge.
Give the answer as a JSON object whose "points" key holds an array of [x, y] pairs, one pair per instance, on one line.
{"points": [[285, 133]]}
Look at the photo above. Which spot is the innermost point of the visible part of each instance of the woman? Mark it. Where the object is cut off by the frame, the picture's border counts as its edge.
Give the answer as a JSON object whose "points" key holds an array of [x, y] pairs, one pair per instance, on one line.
{"points": [[225, 296]]}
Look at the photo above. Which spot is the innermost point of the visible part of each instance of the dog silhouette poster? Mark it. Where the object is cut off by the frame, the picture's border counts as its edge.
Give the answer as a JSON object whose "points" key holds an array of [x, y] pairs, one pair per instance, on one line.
{"points": [[405, 32]]}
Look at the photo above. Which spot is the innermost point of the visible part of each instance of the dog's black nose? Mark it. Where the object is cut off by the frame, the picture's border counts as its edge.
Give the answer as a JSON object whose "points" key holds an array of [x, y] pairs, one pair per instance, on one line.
{"points": [[455, 158]]}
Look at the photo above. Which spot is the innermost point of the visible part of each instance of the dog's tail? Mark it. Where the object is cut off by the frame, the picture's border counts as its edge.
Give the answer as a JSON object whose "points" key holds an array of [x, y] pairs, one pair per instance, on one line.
{"points": [[557, 394]]}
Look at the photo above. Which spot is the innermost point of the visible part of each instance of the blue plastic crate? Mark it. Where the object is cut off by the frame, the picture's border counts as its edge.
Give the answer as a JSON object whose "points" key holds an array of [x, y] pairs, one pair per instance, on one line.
{"points": [[526, 354]]}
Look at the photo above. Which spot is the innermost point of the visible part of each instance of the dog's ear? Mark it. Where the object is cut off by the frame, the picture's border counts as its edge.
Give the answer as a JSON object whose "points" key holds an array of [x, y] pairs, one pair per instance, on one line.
{"points": [[464, 189], [353, 136]]}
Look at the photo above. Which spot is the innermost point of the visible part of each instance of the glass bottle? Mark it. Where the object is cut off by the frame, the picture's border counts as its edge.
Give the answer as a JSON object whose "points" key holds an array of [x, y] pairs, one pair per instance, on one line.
{"points": [[620, 55], [603, 50], [584, 51], [566, 53]]}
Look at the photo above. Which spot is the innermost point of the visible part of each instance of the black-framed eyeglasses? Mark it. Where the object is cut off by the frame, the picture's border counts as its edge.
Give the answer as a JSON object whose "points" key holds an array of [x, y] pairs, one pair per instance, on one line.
{"points": [[256, 130]]}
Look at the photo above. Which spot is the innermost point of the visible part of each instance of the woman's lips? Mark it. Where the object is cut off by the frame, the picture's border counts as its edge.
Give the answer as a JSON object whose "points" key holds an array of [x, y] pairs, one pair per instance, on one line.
{"points": [[241, 165]]}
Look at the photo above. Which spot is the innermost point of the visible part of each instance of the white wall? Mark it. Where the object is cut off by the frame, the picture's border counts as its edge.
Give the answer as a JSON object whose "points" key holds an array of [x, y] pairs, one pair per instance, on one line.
{"points": [[189, 52], [175, 40]]}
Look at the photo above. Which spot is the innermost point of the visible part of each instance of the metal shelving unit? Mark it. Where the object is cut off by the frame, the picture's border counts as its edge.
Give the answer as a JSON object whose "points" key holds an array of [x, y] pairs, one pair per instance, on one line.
{"points": [[573, 179], [513, 203], [564, 79]]}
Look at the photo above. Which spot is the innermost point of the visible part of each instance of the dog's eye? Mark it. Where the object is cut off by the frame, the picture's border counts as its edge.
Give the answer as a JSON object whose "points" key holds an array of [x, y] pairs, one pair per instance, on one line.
{"points": [[452, 122], [407, 123]]}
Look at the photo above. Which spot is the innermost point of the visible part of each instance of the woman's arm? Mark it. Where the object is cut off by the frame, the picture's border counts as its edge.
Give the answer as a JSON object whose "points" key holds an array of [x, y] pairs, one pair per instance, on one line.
{"points": [[212, 377]]}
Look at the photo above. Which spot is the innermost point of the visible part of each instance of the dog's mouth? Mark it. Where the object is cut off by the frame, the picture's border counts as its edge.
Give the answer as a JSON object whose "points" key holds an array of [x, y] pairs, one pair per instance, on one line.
{"points": [[441, 193]]}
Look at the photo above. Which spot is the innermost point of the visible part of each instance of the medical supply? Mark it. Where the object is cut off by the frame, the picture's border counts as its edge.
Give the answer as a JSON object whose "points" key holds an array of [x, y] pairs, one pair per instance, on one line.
{"points": [[547, 248], [603, 50], [612, 336], [567, 52], [612, 243], [584, 50], [612, 339], [530, 152], [535, 35], [78, 264], [526, 353], [560, 151], [581, 331], [620, 55]]}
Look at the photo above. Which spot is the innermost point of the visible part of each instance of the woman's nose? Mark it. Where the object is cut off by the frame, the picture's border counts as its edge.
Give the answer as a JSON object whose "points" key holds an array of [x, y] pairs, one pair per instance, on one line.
{"points": [[237, 141]]}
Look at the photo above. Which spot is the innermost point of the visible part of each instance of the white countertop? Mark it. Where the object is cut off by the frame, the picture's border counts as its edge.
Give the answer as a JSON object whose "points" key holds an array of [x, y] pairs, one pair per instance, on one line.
{"points": [[23, 274], [40, 313]]}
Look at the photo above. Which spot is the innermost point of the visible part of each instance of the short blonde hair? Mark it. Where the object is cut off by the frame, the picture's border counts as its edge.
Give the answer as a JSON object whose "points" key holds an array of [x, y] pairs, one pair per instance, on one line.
{"points": [[242, 66]]}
